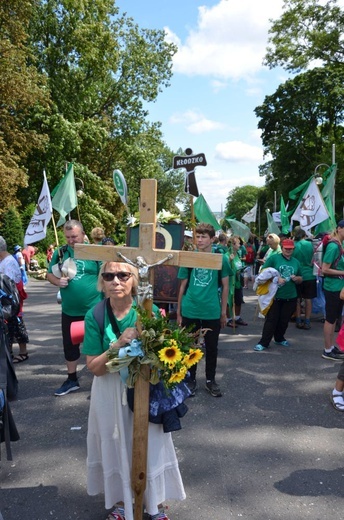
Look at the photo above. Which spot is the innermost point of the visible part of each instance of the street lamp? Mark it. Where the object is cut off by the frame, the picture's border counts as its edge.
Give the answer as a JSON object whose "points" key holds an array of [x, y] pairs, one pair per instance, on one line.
{"points": [[318, 178], [80, 192]]}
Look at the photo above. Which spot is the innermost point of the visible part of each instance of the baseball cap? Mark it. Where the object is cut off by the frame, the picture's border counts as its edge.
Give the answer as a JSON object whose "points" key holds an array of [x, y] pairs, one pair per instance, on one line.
{"points": [[340, 223], [188, 234], [18, 248], [288, 243]]}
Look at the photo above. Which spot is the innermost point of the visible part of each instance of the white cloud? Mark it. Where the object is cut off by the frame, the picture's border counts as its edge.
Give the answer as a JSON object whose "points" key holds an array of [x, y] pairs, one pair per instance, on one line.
{"points": [[237, 151], [219, 46], [195, 122]]}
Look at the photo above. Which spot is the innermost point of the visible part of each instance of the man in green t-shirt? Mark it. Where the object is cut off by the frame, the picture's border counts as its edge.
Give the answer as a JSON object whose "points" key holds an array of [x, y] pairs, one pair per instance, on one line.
{"points": [[284, 304], [77, 280], [202, 303], [333, 272], [308, 289]]}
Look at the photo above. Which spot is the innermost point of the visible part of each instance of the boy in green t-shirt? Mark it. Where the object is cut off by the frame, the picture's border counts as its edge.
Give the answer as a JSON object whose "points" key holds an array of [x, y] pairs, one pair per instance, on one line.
{"points": [[284, 304], [202, 303]]}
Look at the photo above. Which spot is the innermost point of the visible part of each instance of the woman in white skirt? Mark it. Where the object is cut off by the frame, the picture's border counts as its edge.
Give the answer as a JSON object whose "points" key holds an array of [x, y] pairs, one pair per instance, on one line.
{"points": [[110, 424]]}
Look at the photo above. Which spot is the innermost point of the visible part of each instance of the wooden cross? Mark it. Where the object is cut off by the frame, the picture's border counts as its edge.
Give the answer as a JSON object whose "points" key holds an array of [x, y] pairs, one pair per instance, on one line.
{"points": [[151, 255]]}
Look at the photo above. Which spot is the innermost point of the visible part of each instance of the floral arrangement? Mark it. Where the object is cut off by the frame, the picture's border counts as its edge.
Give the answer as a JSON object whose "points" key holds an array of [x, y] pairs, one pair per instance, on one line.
{"points": [[163, 217], [168, 349]]}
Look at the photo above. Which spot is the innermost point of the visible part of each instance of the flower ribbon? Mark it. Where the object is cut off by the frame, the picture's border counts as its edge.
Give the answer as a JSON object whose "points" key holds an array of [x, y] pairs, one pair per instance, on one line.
{"points": [[132, 350]]}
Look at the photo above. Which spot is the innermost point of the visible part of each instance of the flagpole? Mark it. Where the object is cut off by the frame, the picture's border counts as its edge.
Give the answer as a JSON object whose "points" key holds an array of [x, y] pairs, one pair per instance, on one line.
{"points": [[55, 230]]}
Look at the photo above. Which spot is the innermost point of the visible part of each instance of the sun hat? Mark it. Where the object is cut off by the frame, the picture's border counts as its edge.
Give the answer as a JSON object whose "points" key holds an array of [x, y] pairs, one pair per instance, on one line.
{"points": [[68, 269], [288, 243]]}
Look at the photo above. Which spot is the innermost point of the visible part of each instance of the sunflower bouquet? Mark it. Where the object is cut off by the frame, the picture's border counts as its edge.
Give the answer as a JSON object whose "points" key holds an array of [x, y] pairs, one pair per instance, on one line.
{"points": [[168, 349]]}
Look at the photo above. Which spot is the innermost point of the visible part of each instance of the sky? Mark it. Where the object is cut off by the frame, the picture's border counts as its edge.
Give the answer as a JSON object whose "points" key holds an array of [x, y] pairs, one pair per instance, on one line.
{"points": [[218, 80]]}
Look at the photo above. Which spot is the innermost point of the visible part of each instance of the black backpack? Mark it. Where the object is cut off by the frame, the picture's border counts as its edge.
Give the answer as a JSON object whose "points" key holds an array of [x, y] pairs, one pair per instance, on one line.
{"points": [[9, 297], [9, 307]]}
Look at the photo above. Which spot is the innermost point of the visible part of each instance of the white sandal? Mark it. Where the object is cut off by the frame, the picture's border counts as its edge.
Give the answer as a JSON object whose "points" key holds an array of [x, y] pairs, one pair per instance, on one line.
{"points": [[338, 402]]}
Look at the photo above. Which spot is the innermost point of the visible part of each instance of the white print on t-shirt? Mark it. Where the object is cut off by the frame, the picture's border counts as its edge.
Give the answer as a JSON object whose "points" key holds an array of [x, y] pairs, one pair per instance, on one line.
{"points": [[202, 277], [286, 271], [80, 269]]}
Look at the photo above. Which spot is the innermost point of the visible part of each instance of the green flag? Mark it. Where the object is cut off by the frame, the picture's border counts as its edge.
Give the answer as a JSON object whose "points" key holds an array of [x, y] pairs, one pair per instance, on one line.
{"points": [[285, 224], [327, 195], [64, 198], [298, 192], [272, 226], [239, 229], [204, 214]]}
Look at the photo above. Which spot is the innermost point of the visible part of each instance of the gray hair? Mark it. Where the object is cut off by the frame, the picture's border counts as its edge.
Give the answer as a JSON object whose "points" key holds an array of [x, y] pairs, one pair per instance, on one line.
{"points": [[3, 244], [70, 224]]}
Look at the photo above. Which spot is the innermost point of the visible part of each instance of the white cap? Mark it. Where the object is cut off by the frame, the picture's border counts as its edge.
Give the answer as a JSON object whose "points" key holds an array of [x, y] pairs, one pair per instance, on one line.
{"points": [[188, 234]]}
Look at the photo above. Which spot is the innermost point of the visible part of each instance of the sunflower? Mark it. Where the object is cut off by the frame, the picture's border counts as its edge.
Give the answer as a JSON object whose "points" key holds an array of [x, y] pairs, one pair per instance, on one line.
{"points": [[177, 377], [193, 357], [171, 354]]}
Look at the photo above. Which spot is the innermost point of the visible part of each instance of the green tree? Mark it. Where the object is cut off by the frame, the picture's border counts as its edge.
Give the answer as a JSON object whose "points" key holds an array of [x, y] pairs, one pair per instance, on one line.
{"points": [[303, 119], [11, 228], [100, 69], [22, 93], [240, 200], [307, 31], [299, 123]]}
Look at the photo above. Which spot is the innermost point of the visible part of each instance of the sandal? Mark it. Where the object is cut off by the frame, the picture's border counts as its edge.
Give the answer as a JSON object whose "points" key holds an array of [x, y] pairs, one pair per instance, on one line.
{"points": [[338, 402], [20, 358], [116, 514]]}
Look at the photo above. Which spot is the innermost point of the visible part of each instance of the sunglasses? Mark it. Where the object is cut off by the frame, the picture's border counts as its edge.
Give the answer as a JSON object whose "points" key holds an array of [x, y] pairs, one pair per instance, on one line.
{"points": [[122, 276]]}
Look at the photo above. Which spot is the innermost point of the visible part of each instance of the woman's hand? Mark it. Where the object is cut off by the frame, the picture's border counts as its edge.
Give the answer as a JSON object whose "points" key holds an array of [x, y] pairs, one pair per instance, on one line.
{"points": [[127, 336]]}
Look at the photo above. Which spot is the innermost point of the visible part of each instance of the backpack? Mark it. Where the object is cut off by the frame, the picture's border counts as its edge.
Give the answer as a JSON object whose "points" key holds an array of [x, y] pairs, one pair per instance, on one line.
{"points": [[9, 297], [319, 252], [8, 391], [250, 256]]}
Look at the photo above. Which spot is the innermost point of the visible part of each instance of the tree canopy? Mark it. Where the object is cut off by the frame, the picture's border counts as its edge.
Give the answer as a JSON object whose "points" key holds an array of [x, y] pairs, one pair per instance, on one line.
{"points": [[303, 119], [306, 31], [76, 81]]}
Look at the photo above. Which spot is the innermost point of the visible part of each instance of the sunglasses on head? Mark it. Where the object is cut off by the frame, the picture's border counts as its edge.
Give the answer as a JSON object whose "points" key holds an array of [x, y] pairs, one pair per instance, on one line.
{"points": [[122, 276]]}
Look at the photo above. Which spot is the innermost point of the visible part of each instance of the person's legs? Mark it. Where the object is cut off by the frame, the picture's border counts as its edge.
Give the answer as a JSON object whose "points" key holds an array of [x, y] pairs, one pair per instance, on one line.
{"points": [[337, 395], [72, 355], [191, 382], [17, 331], [299, 323], [287, 308], [333, 307], [271, 320], [211, 347]]}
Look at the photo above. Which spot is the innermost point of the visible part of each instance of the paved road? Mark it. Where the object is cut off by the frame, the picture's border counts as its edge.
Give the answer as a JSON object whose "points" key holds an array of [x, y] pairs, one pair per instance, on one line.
{"points": [[270, 448]]}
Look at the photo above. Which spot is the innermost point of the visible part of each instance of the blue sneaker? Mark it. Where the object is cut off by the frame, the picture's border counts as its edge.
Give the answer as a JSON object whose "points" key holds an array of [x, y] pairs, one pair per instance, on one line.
{"points": [[284, 343], [67, 387], [259, 348]]}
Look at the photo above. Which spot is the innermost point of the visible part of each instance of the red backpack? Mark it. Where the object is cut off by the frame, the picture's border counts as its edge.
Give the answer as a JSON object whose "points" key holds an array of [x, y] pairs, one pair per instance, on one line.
{"points": [[250, 255]]}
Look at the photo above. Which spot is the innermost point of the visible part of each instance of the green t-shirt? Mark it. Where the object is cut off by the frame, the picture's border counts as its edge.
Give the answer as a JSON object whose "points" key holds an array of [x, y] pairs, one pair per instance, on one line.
{"points": [[94, 344], [81, 293], [202, 298], [333, 283], [303, 252], [236, 266], [286, 269]]}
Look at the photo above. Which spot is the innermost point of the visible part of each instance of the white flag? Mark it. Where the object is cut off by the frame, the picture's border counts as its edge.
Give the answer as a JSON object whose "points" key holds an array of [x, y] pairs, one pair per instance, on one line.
{"points": [[37, 228], [251, 215], [311, 209]]}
